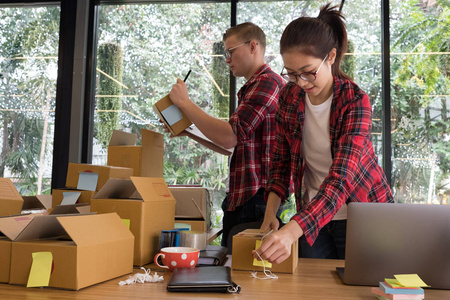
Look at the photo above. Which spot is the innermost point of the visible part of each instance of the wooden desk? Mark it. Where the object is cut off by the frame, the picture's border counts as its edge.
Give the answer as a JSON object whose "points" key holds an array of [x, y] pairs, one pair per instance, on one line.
{"points": [[314, 279]]}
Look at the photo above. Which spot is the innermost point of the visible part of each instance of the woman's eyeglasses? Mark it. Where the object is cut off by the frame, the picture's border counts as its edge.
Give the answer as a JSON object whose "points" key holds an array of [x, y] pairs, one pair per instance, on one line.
{"points": [[306, 76]]}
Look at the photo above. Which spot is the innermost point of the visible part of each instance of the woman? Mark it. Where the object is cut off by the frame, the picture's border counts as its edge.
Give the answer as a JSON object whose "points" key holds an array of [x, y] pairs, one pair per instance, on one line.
{"points": [[324, 138]]}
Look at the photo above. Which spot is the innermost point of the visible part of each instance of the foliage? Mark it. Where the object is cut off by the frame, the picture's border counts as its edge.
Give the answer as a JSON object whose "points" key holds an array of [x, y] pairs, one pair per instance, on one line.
{"points": [[110, 63]]}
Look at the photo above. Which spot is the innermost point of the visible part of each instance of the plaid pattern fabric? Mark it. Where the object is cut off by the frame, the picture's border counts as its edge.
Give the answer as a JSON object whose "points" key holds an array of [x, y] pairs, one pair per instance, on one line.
{"points": [[354, 175], [254, 124]]}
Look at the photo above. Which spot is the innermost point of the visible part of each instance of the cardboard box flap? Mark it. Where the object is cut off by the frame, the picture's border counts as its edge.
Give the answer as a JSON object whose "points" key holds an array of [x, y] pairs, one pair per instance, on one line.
{"points": [[8, 190], [82, 208], [95, 229], [38, 201], [152, 188], [122, 138], [118, 189], [42, 227], [11, 227]]}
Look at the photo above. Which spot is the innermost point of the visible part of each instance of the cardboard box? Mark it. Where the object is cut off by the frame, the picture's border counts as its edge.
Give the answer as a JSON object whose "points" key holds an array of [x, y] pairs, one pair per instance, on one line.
{"points": [[36, 204], [10, 228], [196, 225], [173, 117], [149, 206], [10, 200], [146, 160], [58, 196], [192, 203], [243, 244], [79, 208], [104, 173], [93, 249]]}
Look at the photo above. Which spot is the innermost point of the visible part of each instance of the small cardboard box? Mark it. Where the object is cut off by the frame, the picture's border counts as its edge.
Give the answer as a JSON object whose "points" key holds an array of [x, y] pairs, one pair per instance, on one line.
{"points": [[10, 200], [58, 196], [146, 160], [86, 249], [243, 244], [104, 173], [192, 203], [149, 206], [10, 228], [174, 118]]}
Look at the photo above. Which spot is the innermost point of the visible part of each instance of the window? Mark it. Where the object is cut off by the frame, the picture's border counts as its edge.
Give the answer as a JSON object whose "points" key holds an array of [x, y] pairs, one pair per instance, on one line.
{"points": [[142, 50], [420, 96], [28, 71]]}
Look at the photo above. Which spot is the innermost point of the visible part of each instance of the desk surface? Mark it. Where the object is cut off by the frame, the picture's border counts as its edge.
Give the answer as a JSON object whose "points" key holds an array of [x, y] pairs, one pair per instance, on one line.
{"points": [[314, 279]]}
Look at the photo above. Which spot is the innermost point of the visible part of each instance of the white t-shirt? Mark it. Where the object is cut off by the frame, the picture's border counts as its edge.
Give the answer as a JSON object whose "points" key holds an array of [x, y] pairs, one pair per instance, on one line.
{"points": [[316, 149]]}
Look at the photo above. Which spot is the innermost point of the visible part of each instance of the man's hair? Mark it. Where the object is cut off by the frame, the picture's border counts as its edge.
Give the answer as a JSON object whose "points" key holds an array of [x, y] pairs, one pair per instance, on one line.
{"points": [[247, 31]]}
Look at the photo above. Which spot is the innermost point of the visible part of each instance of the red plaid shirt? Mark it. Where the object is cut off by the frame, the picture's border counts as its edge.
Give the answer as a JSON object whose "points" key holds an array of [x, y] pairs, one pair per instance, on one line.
{"points": [[354, 175], [254, 124]]}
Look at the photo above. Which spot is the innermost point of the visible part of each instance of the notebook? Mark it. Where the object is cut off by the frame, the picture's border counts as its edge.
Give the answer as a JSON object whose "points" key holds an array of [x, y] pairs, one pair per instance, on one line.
{"points": [[386, 239]]}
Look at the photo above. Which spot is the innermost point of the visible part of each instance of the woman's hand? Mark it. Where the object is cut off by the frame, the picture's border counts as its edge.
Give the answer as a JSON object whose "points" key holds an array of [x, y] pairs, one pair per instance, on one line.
{"points": [[276, 247]]}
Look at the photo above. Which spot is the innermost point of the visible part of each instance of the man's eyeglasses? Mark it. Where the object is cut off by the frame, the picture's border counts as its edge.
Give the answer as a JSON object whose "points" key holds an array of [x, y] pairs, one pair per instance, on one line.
{"points": [[306, 76], [229, 51]]}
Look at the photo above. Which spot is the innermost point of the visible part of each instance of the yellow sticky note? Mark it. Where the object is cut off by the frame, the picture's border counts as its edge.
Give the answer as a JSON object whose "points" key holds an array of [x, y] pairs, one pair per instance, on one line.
{"points": [[393, 282], [41, 269], [258, 262], [127, 222], [410, 280]]}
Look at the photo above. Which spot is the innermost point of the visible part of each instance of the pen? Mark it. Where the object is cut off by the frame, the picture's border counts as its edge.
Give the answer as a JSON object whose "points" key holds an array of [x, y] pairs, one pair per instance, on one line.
{"points": [[187, 75]]}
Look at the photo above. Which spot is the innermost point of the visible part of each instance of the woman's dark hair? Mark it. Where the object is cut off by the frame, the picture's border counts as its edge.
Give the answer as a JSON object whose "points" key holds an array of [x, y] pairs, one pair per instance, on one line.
{"points": [[318, 36]]}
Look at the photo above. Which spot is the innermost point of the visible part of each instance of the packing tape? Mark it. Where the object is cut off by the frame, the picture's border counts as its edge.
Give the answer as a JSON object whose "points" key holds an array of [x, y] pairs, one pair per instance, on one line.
{"points": [[194, 239]]}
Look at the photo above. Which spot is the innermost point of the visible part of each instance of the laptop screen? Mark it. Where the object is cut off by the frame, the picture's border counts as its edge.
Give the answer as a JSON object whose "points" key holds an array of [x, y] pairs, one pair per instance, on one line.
{"points": [[386, 239]]}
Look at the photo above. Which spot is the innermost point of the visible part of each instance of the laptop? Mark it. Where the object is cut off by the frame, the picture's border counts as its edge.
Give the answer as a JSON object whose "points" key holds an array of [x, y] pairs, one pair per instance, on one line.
{"points": [[386, 239]]}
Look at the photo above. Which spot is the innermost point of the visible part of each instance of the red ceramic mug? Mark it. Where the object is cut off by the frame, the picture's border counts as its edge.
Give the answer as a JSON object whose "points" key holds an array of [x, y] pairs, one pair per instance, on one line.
{"points": [[177, 257]]}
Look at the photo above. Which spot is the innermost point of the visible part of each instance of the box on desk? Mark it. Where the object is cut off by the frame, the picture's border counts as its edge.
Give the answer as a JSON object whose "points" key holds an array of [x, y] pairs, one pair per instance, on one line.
{"points": [[173, 117], [193, 205], [10, 228], [86, 249], [149, 206], [242, 259], [10, 200], [146, 160], [104, 173]]}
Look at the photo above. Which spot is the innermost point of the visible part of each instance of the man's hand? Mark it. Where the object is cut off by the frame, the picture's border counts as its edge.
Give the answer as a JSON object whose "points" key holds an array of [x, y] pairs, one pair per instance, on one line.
{"points": [[179, 94]]}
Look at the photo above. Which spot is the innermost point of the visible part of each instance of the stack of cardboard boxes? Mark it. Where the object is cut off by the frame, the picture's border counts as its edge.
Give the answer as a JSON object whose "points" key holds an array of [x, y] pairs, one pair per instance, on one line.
{"points": [[128, 204]]}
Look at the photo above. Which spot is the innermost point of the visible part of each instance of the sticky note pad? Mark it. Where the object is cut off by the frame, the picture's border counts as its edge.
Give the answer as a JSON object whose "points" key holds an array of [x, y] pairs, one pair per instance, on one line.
{"points": [[258, 262], [70, 198], [172, 114], [41, 268], [87, 181], [127, 222], [410, 280]]}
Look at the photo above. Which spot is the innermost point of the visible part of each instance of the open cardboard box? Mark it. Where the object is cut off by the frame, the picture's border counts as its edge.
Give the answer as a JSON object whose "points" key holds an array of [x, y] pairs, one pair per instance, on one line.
{"points": [[146, 160], [58, 196], [104, 173], [10, 200], [193, 204], [174, 118], [86, 249], [36, 204], [243, 244], [149, 206], [10, 228]]}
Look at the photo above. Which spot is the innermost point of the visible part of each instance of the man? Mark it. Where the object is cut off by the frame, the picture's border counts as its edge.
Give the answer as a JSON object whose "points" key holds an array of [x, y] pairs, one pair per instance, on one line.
{"points": [[251, 128]]}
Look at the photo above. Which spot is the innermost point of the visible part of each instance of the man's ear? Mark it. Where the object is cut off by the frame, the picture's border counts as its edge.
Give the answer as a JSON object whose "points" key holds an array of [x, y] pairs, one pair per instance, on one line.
{"points": [[253, 45]]}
